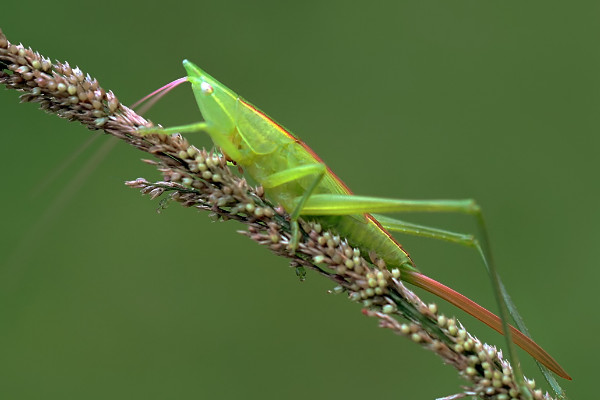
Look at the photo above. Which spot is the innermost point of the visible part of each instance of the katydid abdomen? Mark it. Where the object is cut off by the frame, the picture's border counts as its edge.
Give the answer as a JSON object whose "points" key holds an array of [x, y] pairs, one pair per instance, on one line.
{"points": [[361, 230]]}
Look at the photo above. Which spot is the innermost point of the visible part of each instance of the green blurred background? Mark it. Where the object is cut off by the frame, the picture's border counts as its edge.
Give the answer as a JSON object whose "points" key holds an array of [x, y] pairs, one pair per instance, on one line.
{"points": [[103, 298]]}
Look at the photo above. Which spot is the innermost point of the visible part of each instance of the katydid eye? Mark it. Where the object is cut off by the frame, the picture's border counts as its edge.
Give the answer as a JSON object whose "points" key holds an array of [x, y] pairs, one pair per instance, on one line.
{"points": [[206, 88]]}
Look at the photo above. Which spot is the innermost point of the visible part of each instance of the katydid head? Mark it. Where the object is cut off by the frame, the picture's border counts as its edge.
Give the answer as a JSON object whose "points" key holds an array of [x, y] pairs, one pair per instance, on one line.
{"points": [[217, 104]]}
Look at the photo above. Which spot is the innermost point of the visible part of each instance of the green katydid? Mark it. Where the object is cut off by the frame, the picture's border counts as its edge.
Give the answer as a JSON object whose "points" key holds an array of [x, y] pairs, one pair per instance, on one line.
{"points": [[297, 179]]}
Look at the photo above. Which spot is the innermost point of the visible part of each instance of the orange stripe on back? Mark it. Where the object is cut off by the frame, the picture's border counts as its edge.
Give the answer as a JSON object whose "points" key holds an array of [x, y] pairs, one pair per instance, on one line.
{"points": [[310, 151]]}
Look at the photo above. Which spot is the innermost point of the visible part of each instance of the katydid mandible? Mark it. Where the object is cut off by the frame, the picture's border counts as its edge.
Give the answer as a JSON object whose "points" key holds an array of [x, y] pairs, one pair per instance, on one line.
{"points": [[294, 177]]}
